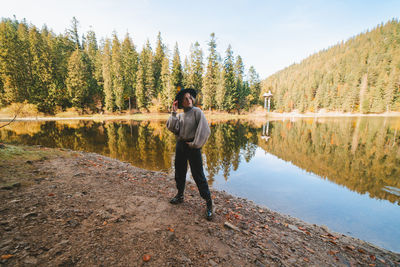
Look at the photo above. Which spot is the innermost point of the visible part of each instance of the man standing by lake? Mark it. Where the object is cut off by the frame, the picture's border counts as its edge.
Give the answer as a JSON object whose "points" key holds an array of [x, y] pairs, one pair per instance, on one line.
{"points": [[192, 131]]}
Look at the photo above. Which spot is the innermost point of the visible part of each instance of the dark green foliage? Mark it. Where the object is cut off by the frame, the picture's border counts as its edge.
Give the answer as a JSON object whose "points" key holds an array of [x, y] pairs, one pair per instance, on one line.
{"points": [[360, 75], [211, 77], [80, 80], [157, 63], [129, 69], [107, 77], [55, 72], [177, 73], [231, 94], [145, 90]]}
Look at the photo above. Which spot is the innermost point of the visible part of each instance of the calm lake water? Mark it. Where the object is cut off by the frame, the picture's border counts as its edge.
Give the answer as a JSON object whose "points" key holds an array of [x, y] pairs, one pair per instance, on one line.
{"points": [[343, 173]]}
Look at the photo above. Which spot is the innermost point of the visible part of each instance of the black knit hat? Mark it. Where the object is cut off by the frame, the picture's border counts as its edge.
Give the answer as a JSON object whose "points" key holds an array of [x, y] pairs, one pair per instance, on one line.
{"points": [[182, 92]]}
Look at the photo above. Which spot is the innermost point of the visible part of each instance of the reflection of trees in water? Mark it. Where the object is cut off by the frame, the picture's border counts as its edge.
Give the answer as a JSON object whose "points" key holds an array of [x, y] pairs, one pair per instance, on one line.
{"points": [[137, 143], [146, 144], [227, 143], [362, 154]]}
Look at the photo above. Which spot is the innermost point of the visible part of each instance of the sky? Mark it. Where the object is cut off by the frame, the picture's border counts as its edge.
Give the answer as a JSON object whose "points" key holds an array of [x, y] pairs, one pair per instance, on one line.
{"points": [[269, 35]]}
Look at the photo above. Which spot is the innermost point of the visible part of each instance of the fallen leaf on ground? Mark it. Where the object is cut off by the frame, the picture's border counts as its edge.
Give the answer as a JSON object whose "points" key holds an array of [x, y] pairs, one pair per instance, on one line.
{"points": [[146, 257], [7, 256], [309, 250], [372, 257], [51, 194], [350, 247], [104, 223], [361, 250], [306, 260], [170, 229], [333, 252]]}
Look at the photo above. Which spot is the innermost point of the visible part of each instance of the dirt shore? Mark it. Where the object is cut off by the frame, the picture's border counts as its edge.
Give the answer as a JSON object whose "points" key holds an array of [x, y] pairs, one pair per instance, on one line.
{"points": [[66, 208]]}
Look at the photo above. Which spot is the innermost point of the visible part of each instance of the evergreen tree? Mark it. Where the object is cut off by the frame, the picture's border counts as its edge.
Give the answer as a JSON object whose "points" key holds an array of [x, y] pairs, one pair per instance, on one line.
{"points": [[167, 90], [92, 50], [186, 74], [254, 85], [240, 88], [107, 77], [41, 71], [212, 75], [220, 94], [141, 98], [231, 95], [194, 75], [15, 79], [117, 78], [79, 80], [149, 73], [177, 74], [157, 62], [129, 68], [145, 90], [73, 32]]}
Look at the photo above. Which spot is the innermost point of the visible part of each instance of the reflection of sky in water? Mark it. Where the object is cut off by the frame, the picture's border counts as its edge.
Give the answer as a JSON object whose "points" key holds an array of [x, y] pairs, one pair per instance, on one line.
{"points": [[285, 188]]}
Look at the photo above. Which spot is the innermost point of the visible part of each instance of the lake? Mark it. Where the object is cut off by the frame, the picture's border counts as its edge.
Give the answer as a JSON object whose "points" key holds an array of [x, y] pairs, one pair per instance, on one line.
{"points": [[340, 172]]}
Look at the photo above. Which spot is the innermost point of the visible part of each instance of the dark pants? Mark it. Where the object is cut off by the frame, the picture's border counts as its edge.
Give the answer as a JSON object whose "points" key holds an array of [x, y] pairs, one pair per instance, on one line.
{"points": [[183, 154]]}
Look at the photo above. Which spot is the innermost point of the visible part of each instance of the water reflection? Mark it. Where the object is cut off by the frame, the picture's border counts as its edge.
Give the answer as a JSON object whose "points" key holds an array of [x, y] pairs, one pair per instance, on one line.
{"points": [[362, 154]]}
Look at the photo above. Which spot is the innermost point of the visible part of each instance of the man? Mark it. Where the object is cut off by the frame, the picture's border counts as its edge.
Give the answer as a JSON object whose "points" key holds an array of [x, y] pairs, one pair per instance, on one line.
{"points": [[192, 131]]}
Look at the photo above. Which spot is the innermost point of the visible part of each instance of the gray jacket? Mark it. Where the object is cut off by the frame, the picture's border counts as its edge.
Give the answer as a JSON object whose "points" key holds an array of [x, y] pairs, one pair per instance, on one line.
{"points": [[190, 125]]}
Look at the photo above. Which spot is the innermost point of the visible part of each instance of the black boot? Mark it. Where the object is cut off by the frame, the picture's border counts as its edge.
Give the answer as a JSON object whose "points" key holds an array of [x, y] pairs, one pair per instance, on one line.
{"points": [[177, 199], [209, 211]]}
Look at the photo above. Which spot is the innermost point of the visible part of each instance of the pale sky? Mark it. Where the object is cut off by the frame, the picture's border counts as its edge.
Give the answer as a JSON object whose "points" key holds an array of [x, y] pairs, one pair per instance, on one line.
{"points": [[270, 35]]}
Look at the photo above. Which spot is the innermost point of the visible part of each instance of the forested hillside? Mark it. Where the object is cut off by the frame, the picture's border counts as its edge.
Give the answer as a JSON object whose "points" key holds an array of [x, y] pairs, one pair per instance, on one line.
{"points": [[58, 71], [359, 75]]}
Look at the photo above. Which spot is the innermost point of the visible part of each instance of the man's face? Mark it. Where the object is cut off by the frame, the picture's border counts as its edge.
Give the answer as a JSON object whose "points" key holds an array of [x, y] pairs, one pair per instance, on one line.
{"points": [[187, 101]]}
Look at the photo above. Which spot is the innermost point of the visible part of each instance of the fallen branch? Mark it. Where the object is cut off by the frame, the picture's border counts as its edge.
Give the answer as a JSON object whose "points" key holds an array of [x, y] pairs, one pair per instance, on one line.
{"points": [[16, 114]]}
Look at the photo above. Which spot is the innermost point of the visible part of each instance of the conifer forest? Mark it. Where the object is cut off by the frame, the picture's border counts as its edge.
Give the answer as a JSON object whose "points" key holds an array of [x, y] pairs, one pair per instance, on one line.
{"points": [[59, 71]]}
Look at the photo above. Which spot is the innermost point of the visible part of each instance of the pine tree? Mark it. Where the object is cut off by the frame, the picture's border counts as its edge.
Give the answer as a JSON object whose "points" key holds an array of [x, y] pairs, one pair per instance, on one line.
{"points": [[194, 69], [149, 74], [157, 62], [129, 68], [231, 95], [254, 84], [167, 90], [107, 77], [41, 71], [141, 99], [220, 94], [211, 77], [79, 80], [73, 32], [186, 74], [145, 90], [196, 63], [117, 78], [92, 50], [240, 88], [14, 71], [177, 74]]}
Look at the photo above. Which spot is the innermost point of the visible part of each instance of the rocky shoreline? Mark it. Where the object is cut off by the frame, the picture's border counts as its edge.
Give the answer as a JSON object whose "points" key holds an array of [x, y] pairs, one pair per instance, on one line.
{"points": [[84, 209]]}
